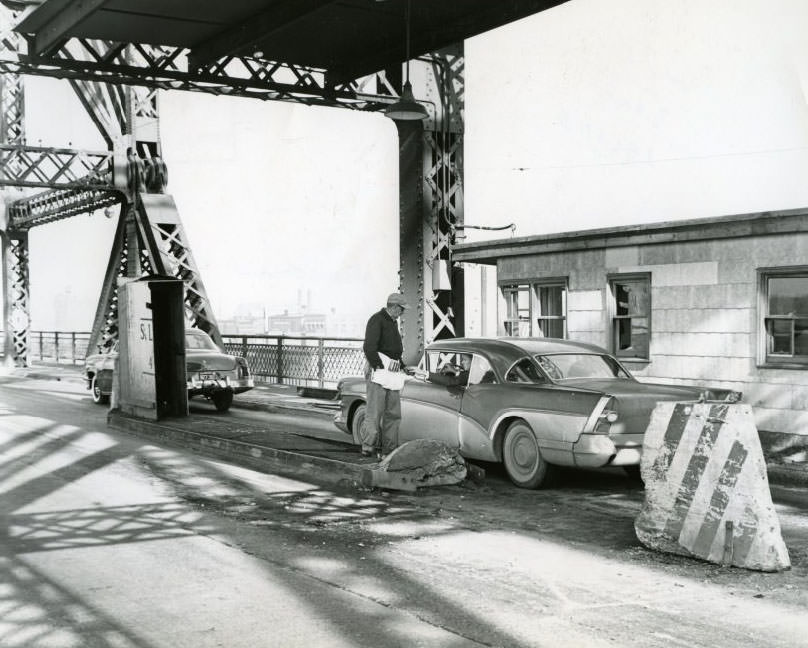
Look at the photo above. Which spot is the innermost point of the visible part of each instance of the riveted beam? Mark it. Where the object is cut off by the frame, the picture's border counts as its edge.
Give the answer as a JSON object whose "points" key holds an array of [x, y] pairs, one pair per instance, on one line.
{"points": [[62, 16], [238, 39], [47, 167]]}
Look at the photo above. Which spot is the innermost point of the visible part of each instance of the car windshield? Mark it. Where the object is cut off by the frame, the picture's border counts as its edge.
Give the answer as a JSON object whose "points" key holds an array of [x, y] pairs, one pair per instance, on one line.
{"points": [[571, 366], [199, 340]]}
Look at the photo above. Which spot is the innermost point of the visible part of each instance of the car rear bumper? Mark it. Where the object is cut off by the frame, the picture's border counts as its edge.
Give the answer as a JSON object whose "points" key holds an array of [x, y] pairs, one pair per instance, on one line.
{"points": [[210, 386], [597, 450]]}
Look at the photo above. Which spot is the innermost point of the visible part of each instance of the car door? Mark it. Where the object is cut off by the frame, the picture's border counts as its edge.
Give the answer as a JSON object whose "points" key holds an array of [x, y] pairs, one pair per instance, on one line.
{"points": [[430, 410]]}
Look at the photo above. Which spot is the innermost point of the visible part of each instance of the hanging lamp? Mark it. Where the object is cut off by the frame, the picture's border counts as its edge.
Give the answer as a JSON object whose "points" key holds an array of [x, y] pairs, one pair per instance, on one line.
{"points": [[406, 108]]}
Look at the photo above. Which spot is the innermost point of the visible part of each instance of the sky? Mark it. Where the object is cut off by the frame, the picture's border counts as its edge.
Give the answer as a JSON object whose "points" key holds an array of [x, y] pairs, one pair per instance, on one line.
{"points": [[590, 114]]}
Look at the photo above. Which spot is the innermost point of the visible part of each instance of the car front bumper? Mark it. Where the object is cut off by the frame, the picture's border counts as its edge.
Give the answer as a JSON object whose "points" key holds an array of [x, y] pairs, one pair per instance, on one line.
{"points": [[340, 422]]}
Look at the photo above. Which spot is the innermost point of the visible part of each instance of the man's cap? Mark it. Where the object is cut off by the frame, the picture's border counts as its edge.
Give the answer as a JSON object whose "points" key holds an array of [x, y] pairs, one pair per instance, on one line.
{"points": [[397, 299]]}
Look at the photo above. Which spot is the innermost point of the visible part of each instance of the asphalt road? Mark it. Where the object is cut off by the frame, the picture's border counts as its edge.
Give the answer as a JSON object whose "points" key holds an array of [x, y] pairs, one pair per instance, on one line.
{"points": [[107, 541]]}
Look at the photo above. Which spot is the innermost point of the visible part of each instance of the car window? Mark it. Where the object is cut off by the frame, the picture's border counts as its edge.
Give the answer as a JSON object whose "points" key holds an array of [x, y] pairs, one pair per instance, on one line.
{"points": [[452, 364], [524, 371], [481, 371], [199, 340], [569, 366]]}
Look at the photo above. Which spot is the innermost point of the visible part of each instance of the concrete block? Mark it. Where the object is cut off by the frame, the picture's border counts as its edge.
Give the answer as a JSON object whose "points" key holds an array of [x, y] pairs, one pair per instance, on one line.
{"points": [[584, 300], [696, 252], [734, 271], [769, 396], [704, 296], [706, 488], [678, 274], [623, 256], [585, 320]]}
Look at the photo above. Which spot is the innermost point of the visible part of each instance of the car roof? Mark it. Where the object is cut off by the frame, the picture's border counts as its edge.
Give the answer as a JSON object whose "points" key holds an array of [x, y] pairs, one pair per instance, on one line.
{"points": [[509, 349]]}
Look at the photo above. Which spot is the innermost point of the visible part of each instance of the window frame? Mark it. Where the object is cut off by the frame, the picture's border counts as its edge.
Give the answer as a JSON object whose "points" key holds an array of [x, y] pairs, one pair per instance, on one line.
{"points": [[613, 317], [765, 357], [534, 319]]}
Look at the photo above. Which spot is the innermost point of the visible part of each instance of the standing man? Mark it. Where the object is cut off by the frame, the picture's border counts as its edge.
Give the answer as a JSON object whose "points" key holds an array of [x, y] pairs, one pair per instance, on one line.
{"points": [[383, 349]]}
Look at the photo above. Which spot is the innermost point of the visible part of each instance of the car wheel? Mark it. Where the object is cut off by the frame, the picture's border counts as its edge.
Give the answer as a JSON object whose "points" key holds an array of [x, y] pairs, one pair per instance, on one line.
{"points": [[522, 458], [356, 424], [222, 400], [98, 397]]}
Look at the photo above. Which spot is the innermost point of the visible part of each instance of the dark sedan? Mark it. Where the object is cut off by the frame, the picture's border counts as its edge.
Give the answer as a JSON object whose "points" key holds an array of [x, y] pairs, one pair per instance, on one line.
{"points": [[530, 403]]}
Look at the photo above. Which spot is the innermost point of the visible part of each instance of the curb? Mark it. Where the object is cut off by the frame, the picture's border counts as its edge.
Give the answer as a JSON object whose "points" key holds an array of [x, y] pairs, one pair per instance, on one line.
{"points": [[280, 407], [784, 475], [262, 458]]}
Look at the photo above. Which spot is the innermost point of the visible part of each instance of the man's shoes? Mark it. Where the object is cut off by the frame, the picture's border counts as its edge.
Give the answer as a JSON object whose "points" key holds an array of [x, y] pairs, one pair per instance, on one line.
{"points": [[367, 453]]}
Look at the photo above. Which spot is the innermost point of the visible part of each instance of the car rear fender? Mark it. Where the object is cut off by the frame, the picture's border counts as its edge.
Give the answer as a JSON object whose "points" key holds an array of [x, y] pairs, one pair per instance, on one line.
{"points": [[556, 432]]}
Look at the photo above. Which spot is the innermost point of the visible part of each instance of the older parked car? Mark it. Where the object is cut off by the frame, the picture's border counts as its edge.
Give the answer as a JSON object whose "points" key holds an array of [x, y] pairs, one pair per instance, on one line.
{"points": [[530, 403], [209, 371]]}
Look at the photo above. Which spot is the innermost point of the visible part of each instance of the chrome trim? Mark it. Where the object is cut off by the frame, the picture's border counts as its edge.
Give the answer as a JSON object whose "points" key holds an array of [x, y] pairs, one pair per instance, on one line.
{"points": [[592, 421]]}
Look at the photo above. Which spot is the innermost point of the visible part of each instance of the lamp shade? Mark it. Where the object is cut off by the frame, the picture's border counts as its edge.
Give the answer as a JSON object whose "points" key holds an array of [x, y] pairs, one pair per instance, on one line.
{"points": [[406, 108]]}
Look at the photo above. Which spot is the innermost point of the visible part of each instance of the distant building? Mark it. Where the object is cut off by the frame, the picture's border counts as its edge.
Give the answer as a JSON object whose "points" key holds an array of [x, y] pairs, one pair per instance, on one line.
{"points": [[243, 324], [302, 324]]}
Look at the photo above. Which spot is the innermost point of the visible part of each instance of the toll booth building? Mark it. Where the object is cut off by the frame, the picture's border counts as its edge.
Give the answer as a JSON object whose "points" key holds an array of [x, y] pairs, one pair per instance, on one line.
{"points": [[720, 301]]}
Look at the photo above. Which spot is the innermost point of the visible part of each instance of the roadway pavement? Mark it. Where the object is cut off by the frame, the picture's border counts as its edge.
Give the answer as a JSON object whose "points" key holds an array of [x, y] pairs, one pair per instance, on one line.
{"points": [[330, 456]]}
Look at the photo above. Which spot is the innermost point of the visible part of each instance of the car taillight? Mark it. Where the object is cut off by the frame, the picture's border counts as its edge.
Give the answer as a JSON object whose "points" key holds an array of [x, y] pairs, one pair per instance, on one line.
{"points": [[605, 419]]}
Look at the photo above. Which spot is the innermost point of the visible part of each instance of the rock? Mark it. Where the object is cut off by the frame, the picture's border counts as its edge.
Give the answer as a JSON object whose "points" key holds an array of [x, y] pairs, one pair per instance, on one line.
{"points": [[706, 489], [422, 462]]}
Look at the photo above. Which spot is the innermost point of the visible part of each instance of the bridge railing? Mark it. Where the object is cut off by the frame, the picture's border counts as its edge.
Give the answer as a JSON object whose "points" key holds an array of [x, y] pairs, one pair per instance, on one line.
{"points": [[61, 347], [303, 361]]}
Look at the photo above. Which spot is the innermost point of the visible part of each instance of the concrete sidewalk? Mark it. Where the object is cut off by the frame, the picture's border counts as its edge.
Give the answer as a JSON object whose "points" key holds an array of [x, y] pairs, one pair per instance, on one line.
{"points": [[271, 447]]}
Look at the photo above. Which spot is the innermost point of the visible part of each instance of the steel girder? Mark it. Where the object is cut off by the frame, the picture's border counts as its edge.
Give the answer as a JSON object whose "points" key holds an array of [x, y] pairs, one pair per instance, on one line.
{"points": [[151, 240], [50, 206], [168, 68], [431, 204], [16, 296], [47, 167]]}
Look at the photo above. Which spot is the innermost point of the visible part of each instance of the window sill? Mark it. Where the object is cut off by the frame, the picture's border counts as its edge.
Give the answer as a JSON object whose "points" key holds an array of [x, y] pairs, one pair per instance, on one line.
{"points": [[634, 361], [790, 366]]}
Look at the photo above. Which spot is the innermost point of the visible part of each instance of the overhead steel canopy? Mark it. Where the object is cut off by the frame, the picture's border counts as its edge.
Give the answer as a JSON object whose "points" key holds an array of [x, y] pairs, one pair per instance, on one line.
{"points": [[347, 38]]}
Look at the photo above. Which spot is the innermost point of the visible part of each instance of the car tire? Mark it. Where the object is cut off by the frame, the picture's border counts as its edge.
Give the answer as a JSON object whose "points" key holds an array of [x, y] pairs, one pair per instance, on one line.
{"points": [[357, 421], [223, 400], [95, 390], [524, 464]]}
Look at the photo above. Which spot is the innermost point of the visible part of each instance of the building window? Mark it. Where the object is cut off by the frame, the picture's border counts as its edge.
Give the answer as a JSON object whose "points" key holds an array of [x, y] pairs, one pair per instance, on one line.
{"points": [[631, 316], [536, 309], [784, 301], [517, 310], [551, 310]]}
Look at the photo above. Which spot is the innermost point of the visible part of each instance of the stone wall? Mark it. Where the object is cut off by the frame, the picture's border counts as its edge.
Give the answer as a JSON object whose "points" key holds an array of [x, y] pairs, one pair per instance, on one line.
{"points": [[704, 302]]}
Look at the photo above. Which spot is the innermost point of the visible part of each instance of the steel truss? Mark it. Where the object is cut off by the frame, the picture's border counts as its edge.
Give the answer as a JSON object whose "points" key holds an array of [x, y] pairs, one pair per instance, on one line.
{"points": [[83, 182], [169, 68], [118, 82], [17, 298]]}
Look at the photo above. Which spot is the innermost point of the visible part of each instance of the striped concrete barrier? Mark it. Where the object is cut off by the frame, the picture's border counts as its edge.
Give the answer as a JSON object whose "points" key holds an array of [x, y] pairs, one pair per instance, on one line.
{"points": [[706, 489]]}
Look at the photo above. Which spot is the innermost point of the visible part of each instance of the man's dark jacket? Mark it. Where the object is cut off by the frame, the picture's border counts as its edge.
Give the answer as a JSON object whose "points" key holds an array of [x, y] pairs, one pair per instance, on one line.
{"points": [[381, 335]]}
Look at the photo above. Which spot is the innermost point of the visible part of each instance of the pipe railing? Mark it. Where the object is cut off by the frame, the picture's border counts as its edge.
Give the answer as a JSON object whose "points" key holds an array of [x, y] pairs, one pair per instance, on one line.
{"points": [[291, 360]]}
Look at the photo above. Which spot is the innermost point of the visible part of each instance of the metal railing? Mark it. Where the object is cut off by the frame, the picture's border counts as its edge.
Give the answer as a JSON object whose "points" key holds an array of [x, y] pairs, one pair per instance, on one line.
{"points": [[61, 347], [302, 361]]}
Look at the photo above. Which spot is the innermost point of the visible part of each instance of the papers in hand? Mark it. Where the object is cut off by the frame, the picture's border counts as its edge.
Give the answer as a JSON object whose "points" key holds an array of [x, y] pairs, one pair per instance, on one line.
{"points": [[390, 377]]}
